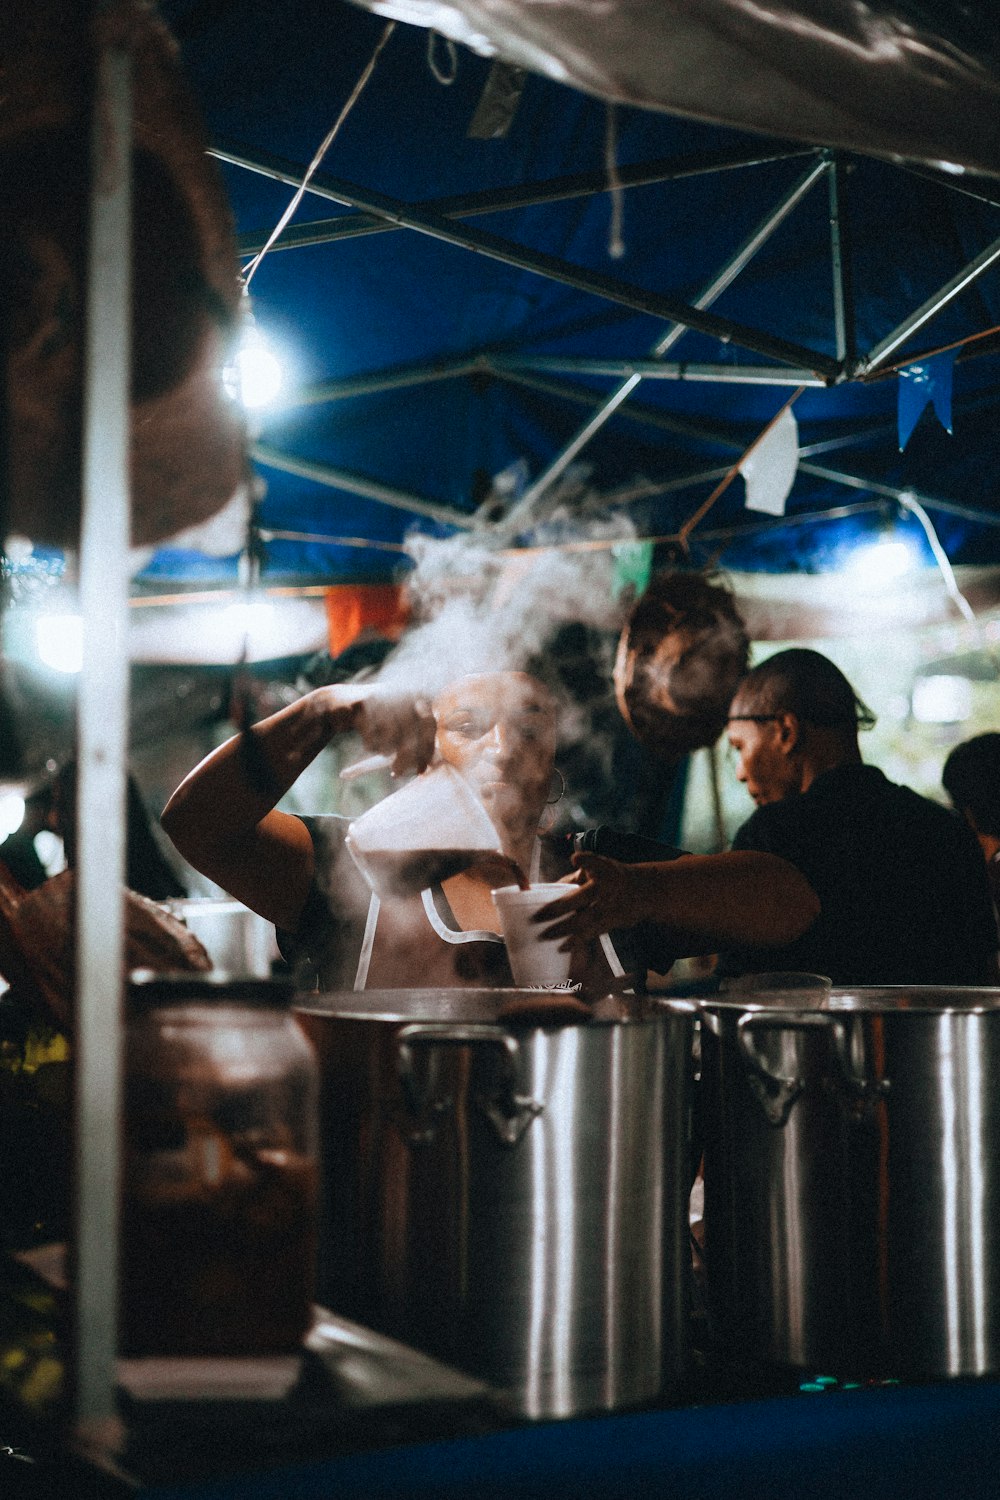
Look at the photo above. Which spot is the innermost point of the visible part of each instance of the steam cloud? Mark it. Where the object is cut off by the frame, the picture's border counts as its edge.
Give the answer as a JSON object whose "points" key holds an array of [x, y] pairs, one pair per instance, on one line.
{"points": [[480, 609]]}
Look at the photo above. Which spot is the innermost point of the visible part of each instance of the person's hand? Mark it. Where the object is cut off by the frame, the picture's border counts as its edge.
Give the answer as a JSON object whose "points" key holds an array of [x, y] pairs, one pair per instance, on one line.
{"points": [[394, 725], [601, 895]]}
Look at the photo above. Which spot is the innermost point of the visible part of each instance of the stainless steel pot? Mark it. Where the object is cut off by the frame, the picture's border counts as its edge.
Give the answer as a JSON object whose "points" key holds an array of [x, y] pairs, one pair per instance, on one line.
{"points": [[852, 1179], [509, 1197]]}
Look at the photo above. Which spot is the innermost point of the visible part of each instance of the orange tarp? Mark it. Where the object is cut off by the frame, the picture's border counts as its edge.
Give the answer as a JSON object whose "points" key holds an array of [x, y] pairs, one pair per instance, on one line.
{"points": [[352, 608]]}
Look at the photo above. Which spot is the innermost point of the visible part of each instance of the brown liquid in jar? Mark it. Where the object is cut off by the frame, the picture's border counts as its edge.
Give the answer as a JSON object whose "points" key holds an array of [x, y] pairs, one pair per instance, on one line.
{"points": [[223, 1264]]}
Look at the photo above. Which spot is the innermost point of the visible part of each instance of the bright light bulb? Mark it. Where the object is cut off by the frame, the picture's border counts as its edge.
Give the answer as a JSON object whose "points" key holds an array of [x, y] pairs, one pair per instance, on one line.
{"points": [[238, 628], [258, 372], [59, 642]]}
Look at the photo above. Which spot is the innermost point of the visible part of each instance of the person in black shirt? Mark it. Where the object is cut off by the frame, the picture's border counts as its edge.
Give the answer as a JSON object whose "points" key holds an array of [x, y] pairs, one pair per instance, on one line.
{"points": [[901, 885], [902, 892]]}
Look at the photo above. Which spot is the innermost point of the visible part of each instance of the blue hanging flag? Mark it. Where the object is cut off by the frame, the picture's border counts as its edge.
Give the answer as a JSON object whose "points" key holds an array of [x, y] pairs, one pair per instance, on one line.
{"points": [[929, 380]]}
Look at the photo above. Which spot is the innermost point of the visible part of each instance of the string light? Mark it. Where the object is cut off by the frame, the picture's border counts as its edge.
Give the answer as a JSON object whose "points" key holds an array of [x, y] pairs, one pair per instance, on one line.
{"points": [[257, 376]]}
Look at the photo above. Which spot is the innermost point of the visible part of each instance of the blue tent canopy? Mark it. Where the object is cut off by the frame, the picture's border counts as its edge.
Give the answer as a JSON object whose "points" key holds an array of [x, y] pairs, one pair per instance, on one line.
{"points": [[451, 308]]}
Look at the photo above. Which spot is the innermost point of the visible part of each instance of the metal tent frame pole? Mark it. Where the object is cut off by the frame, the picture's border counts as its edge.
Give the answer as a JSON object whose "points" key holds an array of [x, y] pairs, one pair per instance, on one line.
{"points": [[102, 731], [886, 347], [357, 484], [508, 252], [724, 278], [470, 205]]}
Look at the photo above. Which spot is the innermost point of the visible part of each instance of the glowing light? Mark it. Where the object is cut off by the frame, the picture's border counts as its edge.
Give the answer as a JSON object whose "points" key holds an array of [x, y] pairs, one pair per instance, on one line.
{"points": [[256, 376], [59, 642], [880, 562], [942, 699], [11, 813], [239, 628]]}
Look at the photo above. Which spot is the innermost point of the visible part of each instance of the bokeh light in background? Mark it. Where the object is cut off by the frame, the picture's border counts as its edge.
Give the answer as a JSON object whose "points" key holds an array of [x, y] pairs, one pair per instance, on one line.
{"points": [[59, 642], [877, 563], [942, 699], [11, 812], [240, 629]]}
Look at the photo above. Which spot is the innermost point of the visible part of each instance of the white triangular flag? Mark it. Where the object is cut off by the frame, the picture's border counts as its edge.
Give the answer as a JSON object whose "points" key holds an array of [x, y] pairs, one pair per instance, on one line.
{"points": [[769, 470]]}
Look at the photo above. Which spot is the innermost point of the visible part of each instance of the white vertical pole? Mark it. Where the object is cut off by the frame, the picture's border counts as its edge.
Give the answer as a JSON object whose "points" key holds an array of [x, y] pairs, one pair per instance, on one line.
{"points": [[102, 732]]}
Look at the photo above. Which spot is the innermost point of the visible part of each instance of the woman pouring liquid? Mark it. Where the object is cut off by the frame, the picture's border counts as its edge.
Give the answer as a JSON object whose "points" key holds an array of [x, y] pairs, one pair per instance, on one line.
{"points": [[498, 730]]}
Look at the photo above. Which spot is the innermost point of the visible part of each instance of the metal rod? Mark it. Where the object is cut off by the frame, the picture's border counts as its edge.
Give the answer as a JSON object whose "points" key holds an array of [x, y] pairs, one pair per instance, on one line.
{"points": [[840, 260], [496, 200], [696, 431], [723, 278], [653, 369], [902, 493], [103, 730], [357, 484], [493, 247], [929, 309], [951, 184], [387, 380]]}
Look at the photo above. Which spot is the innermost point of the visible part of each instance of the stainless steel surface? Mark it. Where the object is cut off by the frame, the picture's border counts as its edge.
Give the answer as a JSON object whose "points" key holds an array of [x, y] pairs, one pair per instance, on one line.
{"points": [[852, 1179], [510, 1198], [102, 712], [236, 939]]}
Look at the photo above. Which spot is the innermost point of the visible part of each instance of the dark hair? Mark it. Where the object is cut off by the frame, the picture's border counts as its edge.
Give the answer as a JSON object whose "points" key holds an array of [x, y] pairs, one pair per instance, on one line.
{"points": [[971, 777], [808, 684]]}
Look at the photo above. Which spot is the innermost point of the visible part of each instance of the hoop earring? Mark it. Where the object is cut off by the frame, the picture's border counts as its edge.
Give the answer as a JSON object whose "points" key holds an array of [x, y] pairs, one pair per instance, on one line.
{"points": [[551, 801]]}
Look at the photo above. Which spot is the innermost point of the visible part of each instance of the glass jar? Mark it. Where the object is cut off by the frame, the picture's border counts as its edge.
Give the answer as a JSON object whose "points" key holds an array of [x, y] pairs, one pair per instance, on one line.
{"points": [[219, 1215]]}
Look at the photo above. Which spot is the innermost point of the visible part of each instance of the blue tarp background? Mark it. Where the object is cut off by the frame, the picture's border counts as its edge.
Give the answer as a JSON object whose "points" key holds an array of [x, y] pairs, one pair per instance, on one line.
{"points": [[271, 78]]}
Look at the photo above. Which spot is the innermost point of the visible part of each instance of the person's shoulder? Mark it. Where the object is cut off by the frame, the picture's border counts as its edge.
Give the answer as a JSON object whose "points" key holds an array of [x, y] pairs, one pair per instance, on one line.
{"points": [[786, 813], [932, 812]]}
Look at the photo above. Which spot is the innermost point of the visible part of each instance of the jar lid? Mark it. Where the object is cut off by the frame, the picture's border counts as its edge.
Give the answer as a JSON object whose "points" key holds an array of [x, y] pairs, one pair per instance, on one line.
{"points": [[154, 987]]}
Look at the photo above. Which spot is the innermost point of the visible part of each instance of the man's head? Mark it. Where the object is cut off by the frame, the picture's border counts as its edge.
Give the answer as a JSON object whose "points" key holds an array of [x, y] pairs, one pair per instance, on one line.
{"points": [[792, 717], [971, 777]]}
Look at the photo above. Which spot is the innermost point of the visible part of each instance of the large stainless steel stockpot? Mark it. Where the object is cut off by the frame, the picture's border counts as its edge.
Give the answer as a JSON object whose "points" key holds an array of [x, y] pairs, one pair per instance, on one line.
{"points": [[852, 1179], [509, 1197]]}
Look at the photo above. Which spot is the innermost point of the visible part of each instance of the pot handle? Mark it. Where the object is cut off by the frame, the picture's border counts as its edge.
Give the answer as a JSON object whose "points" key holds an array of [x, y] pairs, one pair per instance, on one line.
{"points": [[858, 1072], [509, 1112], [775, 1093]]}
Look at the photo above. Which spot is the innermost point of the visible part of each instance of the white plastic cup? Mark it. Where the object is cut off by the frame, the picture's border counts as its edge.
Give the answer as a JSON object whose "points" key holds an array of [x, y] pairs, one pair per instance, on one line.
{"points": [[535, 959]]}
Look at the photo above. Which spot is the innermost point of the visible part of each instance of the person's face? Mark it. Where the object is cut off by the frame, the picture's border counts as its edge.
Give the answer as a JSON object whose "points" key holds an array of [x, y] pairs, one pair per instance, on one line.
{"points": [[763, 760], [498, 730]]}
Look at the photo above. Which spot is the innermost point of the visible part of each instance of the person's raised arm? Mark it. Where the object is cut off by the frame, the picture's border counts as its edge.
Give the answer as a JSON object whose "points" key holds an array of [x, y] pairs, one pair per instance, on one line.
{"points": [[708, 901], [223, 817]]}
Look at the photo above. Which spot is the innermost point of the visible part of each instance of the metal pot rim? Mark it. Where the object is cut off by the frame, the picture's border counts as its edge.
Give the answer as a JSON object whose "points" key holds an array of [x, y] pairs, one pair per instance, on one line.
{"points": [[903, 1000], [423, 1005]]}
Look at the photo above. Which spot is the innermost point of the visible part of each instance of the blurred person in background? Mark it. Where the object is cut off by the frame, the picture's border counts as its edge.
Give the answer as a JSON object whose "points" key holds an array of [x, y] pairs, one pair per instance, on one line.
{"points": [[148, 872], [971, 777]]}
